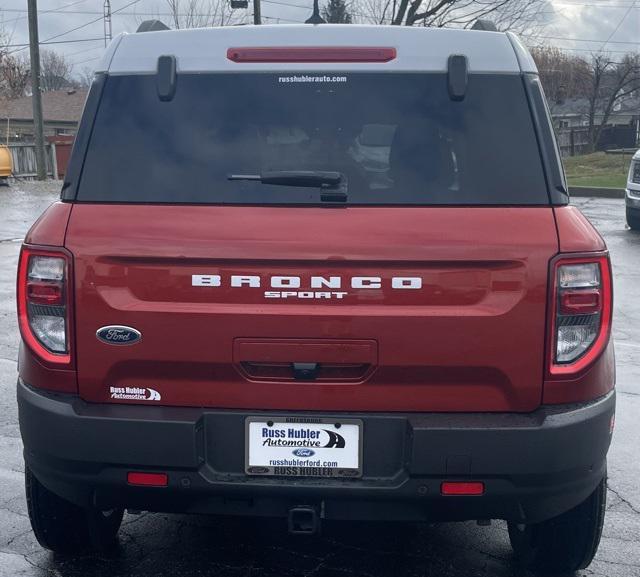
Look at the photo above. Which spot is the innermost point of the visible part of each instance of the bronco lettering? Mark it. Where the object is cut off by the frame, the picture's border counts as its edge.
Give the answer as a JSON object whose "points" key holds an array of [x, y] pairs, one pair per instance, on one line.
{"points": [[333, 282]]}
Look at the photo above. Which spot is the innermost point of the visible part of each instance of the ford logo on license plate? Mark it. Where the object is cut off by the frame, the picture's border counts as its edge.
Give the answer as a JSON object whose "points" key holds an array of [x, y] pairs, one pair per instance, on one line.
{"points": [[118, 335]]}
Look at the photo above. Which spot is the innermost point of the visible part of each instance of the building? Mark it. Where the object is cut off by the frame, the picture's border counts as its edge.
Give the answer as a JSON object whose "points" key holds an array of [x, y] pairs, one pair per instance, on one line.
{"points": [[571, 121], [61, 112], [574, 113]]}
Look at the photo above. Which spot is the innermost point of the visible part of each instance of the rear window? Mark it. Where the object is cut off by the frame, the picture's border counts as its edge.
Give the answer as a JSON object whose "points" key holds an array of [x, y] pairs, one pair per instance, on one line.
{"points": [[397, 138]]}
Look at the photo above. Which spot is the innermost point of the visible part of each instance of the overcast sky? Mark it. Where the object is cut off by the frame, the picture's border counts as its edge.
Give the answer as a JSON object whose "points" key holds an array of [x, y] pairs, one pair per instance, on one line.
{"points": [[578, 25]]}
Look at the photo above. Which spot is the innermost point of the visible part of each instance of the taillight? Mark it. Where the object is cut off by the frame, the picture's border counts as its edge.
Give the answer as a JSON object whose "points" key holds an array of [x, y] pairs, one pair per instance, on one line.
{"points": [[580, 312], [43, 303]]}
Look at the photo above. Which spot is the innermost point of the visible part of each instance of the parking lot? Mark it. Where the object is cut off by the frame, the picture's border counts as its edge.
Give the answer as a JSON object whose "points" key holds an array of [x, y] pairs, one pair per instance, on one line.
{"points": [[177, 545]]}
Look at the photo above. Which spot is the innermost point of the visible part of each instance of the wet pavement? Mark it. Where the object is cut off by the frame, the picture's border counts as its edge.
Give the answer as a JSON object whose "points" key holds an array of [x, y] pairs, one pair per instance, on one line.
{"points": [[180, 545]]}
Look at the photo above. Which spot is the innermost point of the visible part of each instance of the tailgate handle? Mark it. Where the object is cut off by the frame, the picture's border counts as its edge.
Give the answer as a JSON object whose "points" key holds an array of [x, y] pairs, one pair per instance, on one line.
{"points": [[305, 371]]}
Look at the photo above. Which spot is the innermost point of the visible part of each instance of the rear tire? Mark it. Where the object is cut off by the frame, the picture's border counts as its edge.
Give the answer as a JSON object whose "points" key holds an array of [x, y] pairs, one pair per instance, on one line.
{"points": [[66, 528], [565, 543], [633, 219]]}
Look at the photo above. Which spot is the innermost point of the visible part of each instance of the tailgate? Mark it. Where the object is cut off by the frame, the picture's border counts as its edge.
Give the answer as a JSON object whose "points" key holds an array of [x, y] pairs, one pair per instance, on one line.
{"points": [[341, 309]]}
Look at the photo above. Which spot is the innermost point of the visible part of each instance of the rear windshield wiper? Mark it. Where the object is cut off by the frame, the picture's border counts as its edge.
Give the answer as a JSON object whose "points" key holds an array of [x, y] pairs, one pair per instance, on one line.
{"points": [[307, 178]]}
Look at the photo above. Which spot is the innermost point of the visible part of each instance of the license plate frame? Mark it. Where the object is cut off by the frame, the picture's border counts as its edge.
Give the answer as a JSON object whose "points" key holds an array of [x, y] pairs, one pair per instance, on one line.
{"points": [[324, 453]]}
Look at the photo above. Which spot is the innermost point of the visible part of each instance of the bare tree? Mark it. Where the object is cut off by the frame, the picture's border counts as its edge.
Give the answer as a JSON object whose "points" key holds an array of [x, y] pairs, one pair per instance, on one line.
{"points": [[610, 83], [85, 77], [517, 15], [375, 11], [55, 71], [336, 12], [201, 13], [14, 70], [563, 76], [14, 75]]}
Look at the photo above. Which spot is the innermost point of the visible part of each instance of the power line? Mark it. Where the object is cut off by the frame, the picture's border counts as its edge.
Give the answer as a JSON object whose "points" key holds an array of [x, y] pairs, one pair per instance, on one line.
{"points": [[591, 5], [584, 49], [73, 29], [287, 4], [91, 22], [604, 3], [92, 12], [83, 51], [615, 4], [87, 60], [48, 40], [121, 12], [584, 39], [40, 13], [159, 14], [280, 18], [23, 46], [619, 24]]}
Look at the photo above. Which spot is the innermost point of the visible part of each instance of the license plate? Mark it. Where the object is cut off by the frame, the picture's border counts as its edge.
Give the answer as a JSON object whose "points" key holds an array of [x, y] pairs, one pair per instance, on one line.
{"points": [[303, 447]]}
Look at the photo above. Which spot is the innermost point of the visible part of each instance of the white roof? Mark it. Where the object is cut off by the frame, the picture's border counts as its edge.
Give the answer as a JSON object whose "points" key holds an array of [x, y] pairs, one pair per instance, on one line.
{"points": [[418, 49]]}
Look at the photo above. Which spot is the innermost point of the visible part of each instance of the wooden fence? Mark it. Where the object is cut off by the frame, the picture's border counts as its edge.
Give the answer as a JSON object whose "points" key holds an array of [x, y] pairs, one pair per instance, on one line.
{"points": [[24, 160], [574, 141]]}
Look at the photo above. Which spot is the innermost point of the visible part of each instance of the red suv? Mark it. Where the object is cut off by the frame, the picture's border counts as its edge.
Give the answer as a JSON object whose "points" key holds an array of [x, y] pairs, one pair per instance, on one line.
{"points": [[317, 272]]}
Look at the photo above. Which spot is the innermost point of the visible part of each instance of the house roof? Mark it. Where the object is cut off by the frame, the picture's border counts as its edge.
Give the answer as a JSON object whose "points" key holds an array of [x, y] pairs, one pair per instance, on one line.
{"points": [[580, 106], [570, 107], [60, 106], [630, 105]]}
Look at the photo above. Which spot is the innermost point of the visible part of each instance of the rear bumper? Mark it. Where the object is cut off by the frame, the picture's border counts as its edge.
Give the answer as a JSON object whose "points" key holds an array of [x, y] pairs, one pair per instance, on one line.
{"points": [[534, 465]]}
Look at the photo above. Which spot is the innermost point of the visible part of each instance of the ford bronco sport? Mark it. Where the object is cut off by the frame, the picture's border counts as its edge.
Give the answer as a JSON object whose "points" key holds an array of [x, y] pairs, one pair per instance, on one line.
{"points": [[317, 272]]}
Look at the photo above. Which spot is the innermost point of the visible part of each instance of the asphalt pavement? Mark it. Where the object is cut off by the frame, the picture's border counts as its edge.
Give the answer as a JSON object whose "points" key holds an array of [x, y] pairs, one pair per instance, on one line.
{"points": [[186, 546]]}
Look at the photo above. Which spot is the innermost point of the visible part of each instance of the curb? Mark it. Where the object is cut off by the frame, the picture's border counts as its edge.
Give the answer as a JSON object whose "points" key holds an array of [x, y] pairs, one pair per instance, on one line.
{"points": [[596, 191]]}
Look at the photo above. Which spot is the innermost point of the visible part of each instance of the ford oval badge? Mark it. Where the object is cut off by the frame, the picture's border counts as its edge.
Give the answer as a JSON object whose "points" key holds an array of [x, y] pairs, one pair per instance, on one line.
{"points": [[304, 452], [118, 335]]}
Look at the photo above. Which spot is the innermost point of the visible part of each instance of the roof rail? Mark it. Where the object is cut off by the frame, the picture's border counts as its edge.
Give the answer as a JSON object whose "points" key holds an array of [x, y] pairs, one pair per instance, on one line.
{"points": [[152, 26], [483, 24]]}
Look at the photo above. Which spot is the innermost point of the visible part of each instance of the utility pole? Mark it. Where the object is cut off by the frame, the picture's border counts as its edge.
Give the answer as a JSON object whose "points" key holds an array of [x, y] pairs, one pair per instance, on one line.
{"points": [[36, 97], [256, 12], [107, 22]]}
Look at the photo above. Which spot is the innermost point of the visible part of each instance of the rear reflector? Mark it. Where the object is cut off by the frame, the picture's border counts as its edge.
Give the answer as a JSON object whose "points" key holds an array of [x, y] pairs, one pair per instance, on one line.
{"points": [[311, 54], [148, 479], [462, 488], [44, 293], [579, 302]]}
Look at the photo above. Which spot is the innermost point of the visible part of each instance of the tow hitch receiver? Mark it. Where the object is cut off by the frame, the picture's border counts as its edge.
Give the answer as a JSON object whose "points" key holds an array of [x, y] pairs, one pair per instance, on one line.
{"points": [[303, 520]]}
